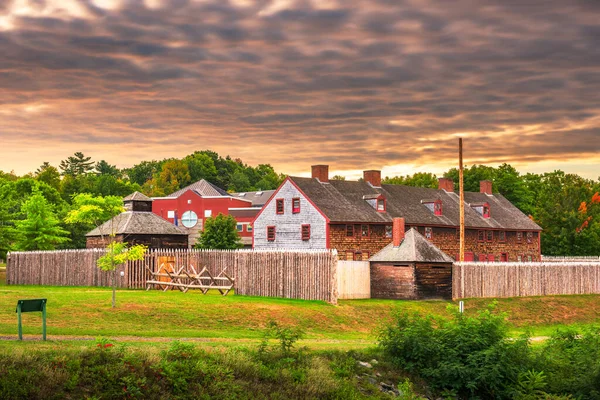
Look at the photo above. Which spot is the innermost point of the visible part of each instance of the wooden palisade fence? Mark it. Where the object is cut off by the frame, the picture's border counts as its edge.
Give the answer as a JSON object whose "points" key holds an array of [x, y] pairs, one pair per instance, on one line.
{"points": [[525, 279], [310, 275]]}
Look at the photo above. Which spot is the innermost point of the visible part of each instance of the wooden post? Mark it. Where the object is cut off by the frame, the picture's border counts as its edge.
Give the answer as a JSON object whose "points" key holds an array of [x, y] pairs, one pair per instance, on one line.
{"points": [[461, 255], [44, 320], [20, 322]]}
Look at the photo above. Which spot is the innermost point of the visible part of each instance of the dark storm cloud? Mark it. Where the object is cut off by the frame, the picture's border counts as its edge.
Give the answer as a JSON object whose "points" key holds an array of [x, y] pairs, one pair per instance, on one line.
{"points": [[360, 85]]}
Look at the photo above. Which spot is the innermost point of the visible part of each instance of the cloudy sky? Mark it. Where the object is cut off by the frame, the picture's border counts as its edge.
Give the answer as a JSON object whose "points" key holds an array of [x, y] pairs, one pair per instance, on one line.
{"points": [[387, 84]]}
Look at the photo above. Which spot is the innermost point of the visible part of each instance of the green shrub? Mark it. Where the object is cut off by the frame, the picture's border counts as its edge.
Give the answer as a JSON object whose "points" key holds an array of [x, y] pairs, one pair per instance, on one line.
{"points": [[467, 356]]}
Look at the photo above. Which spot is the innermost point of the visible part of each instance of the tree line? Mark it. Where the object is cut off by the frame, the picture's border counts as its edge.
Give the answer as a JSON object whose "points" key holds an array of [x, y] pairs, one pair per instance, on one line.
{"points": [[33, 207]]}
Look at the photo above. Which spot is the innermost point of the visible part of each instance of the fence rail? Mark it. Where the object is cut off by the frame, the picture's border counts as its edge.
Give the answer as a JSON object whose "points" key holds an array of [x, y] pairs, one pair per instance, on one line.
{"points": [[524, 279], [310, 275]]}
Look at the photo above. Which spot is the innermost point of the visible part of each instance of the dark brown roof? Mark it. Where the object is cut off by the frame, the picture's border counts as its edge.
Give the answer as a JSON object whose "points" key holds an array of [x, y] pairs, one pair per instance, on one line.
{"points": [[203, 187], [137, 196], [258, 198], [137, 222], [347, 201], [414, 248]]}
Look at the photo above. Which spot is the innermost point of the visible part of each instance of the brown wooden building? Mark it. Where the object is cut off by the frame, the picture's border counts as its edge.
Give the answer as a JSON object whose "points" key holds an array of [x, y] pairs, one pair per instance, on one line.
{"points": [[355, 218], [411, 267], [138, 225]]}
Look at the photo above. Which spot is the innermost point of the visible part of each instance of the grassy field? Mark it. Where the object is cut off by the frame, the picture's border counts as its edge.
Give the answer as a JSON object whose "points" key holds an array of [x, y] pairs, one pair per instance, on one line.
{"points": [[212, 318]]}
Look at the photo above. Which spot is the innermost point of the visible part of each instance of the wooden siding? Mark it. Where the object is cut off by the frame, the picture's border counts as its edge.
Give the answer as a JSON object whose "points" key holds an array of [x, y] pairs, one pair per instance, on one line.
{"points": [[433, 281], [354, 280], [474, 280], [288, 226], [339, 240], [393, 281], [447, 240]]}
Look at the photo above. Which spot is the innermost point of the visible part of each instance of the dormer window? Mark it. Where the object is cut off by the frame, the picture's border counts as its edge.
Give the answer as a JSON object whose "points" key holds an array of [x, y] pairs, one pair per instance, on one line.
{"points": [[377, 201], [482, 209], [434, 206]]}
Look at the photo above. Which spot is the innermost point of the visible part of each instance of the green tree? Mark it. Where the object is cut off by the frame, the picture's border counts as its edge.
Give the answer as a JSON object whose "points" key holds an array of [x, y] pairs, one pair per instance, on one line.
{"points": [[117, 254], [76, 165], [104, 168], [48, 174], [239, 182], [94, 211], [201, 166], [174, 176], [267, 178], [144, 171], [40, 230], [338, 178], [220, 233], [418, 179]]}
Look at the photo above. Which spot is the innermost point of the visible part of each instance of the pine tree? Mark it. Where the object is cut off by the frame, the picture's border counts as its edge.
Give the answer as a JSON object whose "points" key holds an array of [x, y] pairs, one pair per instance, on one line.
{"points": [[40, 230], [76, 165]]}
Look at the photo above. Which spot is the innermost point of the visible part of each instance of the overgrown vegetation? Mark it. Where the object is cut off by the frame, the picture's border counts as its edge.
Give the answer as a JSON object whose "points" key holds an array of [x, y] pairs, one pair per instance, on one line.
{"points": [[107, 370], [474, 357]]}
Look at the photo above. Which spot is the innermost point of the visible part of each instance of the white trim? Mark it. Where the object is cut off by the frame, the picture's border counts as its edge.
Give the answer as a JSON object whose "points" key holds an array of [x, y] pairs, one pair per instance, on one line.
{"points": [[244, 208]]}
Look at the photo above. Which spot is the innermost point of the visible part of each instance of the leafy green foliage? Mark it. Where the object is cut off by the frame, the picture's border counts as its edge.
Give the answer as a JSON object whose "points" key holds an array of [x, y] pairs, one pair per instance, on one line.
{"points": [[94, 210], [40, 230], [287, 337], [219, 233], [104, 168], [419, 179], [105, 370], [470, 356], [473, 357]]}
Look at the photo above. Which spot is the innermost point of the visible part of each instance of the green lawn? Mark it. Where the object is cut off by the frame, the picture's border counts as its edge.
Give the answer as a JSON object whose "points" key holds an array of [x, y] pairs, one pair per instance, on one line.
{"points": [[215, 319]]}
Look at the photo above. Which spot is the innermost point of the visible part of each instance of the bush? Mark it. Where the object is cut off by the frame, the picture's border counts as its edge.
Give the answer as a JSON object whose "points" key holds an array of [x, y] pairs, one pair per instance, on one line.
{"points": [[465, 356]]}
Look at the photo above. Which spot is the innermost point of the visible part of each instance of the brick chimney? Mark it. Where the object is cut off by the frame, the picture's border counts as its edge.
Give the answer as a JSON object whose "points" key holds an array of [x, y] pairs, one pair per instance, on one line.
{"points": [[398, 231], [485, 187], [321, 172], [446, 184], [373, 177]]}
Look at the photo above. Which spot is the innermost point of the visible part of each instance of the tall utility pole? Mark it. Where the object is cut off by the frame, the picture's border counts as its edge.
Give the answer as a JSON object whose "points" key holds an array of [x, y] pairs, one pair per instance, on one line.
{"points": [[461, 254]]}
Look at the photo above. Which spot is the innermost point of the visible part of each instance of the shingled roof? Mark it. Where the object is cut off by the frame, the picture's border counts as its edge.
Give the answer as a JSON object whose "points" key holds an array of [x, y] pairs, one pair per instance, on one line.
{"points": [[137, 196], [258, 198], [203, 187], [414, 248], [139, 223], [347, 201]]}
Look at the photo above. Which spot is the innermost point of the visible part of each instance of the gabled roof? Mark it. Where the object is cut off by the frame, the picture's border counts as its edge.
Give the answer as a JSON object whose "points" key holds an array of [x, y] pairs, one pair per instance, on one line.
{"points": [[137, 196], [347, 201], [203, 187], [414, 248], [258, 198], [137, 222]]}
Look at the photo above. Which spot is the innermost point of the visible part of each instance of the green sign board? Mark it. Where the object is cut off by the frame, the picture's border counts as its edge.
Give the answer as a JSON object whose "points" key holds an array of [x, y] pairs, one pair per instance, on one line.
{"points": [[32, 306]]}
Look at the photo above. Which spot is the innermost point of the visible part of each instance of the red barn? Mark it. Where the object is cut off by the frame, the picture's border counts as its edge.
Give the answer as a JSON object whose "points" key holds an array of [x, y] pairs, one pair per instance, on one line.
{"points": [[189, 207]]}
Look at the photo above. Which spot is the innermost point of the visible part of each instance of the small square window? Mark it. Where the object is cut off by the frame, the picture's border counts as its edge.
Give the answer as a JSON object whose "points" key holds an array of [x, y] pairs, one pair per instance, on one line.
{"points": [[519, 258], [349, 230], [481, 236], [364, 230], [295, 205], [486, 211], [504, 257], [249, 228], [279, 206], [502, 236], [271, 233], [437, 208], [428, 232], [240, 227], [490, 236], [529, 237], [519, 237], [306, 232], [381, 205], [358, 256], [207, 213], [491, 258], [388, 231]]}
